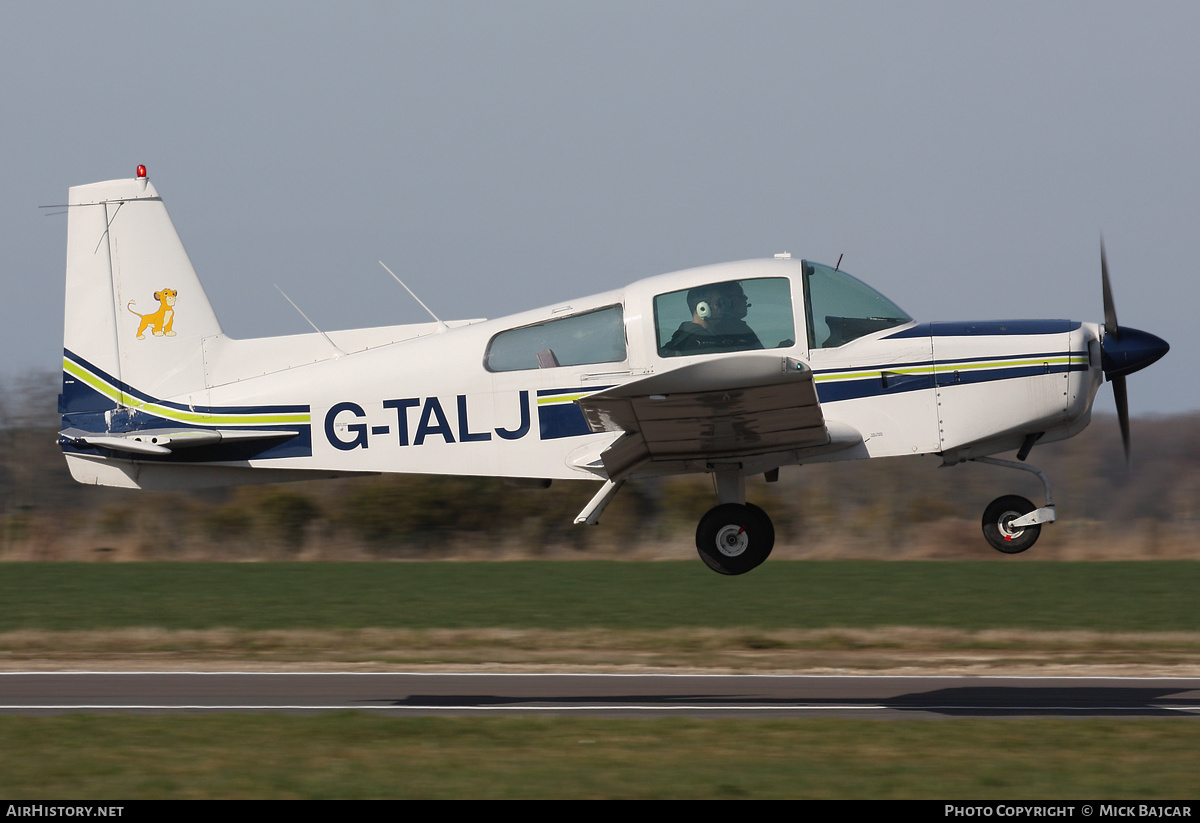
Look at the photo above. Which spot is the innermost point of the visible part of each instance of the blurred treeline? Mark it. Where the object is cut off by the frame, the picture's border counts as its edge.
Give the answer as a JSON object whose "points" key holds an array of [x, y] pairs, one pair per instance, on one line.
{"points": [[879, 508]]}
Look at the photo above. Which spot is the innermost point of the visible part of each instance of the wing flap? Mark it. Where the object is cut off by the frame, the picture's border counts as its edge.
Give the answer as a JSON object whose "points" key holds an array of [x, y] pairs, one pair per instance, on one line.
{"points": [[722, 404], [741, 430], [623, 457], [744, 405]]}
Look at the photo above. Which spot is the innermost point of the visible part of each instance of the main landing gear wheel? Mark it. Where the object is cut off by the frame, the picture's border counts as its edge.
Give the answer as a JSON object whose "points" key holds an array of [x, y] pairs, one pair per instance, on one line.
{"points": [[734, 538], [996, 518]]}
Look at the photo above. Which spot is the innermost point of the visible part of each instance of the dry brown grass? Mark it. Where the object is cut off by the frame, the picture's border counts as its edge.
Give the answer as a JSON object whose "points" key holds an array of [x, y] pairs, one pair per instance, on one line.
{"points": [[897, 650], [945, 539]]}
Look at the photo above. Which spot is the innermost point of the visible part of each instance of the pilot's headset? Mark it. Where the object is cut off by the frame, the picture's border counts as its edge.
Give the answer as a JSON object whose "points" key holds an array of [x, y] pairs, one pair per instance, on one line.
{"points": [[705, 308]]}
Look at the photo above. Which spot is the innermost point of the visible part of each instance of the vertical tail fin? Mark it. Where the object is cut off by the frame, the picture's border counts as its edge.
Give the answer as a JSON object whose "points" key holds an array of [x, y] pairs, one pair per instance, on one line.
{"points": [[136, 314]]}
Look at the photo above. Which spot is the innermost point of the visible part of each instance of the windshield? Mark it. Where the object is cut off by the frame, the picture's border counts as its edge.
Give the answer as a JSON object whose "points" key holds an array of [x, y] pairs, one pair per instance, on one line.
{"points": [[841, 308]]}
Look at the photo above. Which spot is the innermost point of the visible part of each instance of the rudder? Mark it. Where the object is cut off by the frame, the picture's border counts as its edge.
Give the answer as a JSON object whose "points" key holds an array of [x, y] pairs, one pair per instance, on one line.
{"points": [[135, 315]]}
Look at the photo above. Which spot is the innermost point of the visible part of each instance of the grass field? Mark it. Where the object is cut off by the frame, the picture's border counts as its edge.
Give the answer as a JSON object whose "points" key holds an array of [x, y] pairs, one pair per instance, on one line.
{"points": [[1106, 597], [791, 616], [367, 756]]}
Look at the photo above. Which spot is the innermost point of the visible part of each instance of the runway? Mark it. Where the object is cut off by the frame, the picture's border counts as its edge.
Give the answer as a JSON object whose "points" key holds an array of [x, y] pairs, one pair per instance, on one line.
{"points": [[626, 695]]}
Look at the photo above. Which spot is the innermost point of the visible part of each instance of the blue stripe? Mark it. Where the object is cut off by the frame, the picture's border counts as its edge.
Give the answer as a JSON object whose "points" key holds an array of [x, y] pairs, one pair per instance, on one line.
{"points": [[84, 408], [950, 377], [1032, 356], [873, 386], [78, 396], [870, 387], [141, 396], [911, 364], [986, 327], [562, 420]]}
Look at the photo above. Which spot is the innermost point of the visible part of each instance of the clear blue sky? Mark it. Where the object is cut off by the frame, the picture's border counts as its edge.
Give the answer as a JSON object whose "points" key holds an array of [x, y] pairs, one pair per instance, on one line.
{"points": [[964, 157]]}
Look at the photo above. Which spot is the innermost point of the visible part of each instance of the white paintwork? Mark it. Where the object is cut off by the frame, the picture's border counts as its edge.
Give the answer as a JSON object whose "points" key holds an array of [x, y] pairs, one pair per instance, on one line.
{"points": [[122, 247]]}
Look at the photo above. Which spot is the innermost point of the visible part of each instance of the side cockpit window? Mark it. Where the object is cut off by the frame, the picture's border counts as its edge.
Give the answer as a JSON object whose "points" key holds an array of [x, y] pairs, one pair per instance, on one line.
{"points": [[841, 308], [581, 339], [731, 315]]}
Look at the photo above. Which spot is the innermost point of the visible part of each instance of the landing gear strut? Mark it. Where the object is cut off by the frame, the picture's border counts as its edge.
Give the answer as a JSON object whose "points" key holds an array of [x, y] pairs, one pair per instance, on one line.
{"points": [[1012, 524]]}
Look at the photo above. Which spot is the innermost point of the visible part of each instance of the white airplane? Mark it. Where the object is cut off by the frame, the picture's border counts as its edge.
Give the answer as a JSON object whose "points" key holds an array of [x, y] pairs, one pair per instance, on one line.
{"points": [[732, 370]]}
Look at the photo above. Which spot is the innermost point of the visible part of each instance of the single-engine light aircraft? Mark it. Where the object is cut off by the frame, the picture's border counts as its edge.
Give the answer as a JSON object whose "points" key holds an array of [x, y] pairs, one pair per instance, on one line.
{"points": [[734, 370]]}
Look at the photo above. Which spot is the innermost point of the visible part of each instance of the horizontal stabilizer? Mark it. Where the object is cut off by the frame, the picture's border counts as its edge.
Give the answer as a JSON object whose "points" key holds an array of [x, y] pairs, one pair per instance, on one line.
{"points": [[117, 443], [164, 441]]}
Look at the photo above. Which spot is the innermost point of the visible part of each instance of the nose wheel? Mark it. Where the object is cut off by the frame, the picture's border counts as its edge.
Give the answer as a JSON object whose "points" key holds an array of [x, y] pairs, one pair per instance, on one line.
{"points": [[998, 527], [1012, 524], [734, 538]]}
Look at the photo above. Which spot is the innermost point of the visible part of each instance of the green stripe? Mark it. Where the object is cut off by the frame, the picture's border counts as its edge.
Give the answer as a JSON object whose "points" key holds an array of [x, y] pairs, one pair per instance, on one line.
{"points": [[178, 415], [561, 398], [876, 371], [96, 383], [1002, 364]]}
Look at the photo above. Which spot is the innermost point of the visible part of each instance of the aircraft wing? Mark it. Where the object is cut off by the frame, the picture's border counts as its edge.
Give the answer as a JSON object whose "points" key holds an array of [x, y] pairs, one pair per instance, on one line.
{"points": [[734, 406]]}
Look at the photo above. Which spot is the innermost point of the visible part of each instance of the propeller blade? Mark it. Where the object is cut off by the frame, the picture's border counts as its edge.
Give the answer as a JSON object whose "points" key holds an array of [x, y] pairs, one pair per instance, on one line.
{"points": [[1123, 352], [1110, 308], [1122, 398]]}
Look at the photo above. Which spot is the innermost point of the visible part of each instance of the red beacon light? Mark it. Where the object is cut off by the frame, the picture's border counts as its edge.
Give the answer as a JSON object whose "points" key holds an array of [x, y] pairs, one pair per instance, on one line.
{"points": [[141, 172]]}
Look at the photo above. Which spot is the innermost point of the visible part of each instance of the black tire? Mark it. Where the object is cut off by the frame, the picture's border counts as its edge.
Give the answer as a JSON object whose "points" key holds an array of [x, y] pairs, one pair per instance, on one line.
{"points": [[996, 517], [733, 538], [766, 518]]}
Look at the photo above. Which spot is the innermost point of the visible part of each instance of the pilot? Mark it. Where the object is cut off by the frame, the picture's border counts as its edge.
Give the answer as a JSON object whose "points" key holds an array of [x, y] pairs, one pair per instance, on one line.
{"points": [[718, 321], [730, 322]]}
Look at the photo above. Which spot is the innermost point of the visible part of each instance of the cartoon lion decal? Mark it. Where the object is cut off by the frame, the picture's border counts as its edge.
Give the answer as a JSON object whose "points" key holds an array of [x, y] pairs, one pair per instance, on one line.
{"points": [[160, 321]]}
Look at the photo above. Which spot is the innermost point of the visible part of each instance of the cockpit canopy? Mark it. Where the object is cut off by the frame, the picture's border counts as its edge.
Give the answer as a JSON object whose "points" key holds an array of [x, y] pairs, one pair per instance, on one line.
{"points": [[715, 313], [756, 313], [841, 308]]}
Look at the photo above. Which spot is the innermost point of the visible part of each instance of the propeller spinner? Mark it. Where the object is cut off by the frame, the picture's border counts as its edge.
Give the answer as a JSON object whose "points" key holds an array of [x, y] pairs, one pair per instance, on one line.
{"points": [[1123, 351]]}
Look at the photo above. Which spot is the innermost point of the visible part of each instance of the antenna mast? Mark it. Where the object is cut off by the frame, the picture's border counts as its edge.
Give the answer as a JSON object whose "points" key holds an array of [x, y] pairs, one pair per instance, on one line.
{"points": [[441, 326], [311, 323]]}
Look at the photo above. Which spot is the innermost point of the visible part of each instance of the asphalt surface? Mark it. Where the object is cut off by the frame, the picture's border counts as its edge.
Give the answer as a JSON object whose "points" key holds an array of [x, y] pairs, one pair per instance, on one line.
{"points": [[626, 695]]}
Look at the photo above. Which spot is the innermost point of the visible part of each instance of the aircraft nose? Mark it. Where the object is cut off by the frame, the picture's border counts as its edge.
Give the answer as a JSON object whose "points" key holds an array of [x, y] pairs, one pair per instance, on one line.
{"points": [[1129, 350]]}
